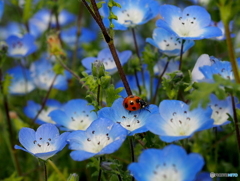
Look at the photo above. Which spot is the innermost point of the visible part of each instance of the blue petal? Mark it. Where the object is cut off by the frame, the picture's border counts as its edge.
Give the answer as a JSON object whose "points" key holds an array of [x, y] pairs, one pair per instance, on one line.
{"points": [[169, 12], [47, 131], [27, 137], [62, 141], [87, 62], [76, 140], [59, 117], [81, 155], [31, 109]]}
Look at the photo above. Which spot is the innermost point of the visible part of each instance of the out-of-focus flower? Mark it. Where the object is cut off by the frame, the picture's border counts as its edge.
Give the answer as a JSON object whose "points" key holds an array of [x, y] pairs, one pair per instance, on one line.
{"points": [[220, 110], [176, 121], [12, 28], [221, 27], [168, 43], [105, 56], [69, 36], [21, 47], [150, 85], [32, 108], [133, 121], [160, 65], [103, 136], [74, 115], [1, 8], [21, 82], [192, 23], [43, 75], [44, 143], [170, 163], [132, 13]]}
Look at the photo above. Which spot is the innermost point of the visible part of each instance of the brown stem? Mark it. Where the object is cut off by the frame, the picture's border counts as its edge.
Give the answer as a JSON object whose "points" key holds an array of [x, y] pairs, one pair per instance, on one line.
{"points": [[97, 17], [159, 81], [137, 81], [181, 55], [45, 98]]}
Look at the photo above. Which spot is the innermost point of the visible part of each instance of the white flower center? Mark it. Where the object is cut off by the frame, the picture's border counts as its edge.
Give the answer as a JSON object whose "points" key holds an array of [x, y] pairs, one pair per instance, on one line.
{"points": [[80, 121], [219, 114], [130, 17], [130, 121], [43, 146], [18, 48]]}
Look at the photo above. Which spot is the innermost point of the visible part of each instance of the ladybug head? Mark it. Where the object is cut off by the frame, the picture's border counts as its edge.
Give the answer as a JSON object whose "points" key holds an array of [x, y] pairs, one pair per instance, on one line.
{"points": [[143, 103]]}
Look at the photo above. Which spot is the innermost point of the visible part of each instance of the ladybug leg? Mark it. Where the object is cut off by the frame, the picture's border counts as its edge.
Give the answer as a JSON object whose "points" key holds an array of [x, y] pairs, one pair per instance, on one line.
{"points": [[129, 112], [147, 109]]}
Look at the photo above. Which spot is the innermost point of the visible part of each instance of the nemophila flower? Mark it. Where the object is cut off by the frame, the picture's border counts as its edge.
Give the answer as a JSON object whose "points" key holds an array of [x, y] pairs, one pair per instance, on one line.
{"points": [[1, 8], [148, 84], [134, 12], [21, 82], [222, 68], [171, 67], [203, 60], [44, 143], [168, 43], [176, 121], [221, 27], [170, 163], [32, 108], [12, 28], [192, 23], [74, 115], [21, 47], [43, 76], [69, 36], [103, 136], [133, 121], [105, 56], [221, 109]]}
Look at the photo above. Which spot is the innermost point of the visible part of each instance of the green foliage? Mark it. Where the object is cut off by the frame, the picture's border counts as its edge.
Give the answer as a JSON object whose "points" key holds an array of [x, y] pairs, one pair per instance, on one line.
{"points": [[112, 94], [73, 177], [150, 57], [6, 83], [58, 69], [13, 177], [220, 87], [27, 10]]}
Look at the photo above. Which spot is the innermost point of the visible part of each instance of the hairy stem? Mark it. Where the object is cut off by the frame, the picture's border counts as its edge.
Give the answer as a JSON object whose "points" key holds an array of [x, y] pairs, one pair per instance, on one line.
{"points": [[132, 151], [159, 82], [45, 171], [97, 17], [45, 98], [231, 54], [236, 122], [100, 170]]}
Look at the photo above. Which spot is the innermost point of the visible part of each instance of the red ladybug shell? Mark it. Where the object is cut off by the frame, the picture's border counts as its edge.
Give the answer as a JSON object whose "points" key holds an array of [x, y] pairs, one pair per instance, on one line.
{"points": [[133, 103]]}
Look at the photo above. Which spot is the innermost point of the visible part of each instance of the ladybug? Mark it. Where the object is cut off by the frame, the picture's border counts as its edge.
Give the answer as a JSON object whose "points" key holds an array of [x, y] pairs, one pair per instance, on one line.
{"points": [[134, 103]]}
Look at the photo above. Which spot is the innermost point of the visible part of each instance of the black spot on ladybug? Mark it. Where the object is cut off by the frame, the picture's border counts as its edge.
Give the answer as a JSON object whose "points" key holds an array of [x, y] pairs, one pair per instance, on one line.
{"points": [[126, 105], [132, 103], [137, 100], [134, 108]]}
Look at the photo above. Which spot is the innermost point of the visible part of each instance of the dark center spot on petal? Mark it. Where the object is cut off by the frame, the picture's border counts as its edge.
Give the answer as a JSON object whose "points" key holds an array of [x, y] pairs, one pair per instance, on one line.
{"points": [[174, 113], [98, 143], [187, 14], [185, 112], [48, 143], [128, 125], [93, 132], [188, 118], [183, 23], [49, 139], [39, 145], [40, 138], [123, 117], [138, 121], [73, 119], [135, 116], [81, 121], [88, 139], [217, 112], [34, 141], [180, 121], [119, 122]]}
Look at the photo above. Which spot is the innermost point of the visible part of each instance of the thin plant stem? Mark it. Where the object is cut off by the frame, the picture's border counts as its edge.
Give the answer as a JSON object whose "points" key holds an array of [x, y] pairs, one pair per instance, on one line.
{"points": [[97, 17], [100, 170], [45, 170], [10, 130], [77, 35], [132, 151], [159, 81], [181, 55], [138, 54], [137, 81], [57, 170], [236, 122], [231, 54], [98, 94], [119, 177], [45, 98]]}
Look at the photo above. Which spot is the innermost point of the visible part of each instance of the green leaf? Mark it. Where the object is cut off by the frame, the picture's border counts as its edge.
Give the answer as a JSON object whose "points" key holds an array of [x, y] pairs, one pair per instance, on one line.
{"points": [[112, 94], [112, 16], [99, 4], [6, 83], [58, 69]]}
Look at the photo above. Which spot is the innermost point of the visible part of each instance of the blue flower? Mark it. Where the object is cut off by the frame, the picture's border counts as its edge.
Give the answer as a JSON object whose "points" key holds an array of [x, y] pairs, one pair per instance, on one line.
{"points": [[12, 28], [44, 143], [221, 27], [160, 65], [20, 47], [222, 68], [168, 43], [133, 84], [69, 36], [220, 110], [21, 82], [133, 121], [191, 23], [1, 8], [170, 163], [203, 60], [133, 13], [32, 108], [176, 121], [103, 136], [74, 115], [43, 75], [203, 176], [105, 56]]}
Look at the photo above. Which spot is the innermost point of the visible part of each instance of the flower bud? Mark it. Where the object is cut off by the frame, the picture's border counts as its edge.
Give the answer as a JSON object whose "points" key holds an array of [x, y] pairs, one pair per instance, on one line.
{"points": [[98, 69]]}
